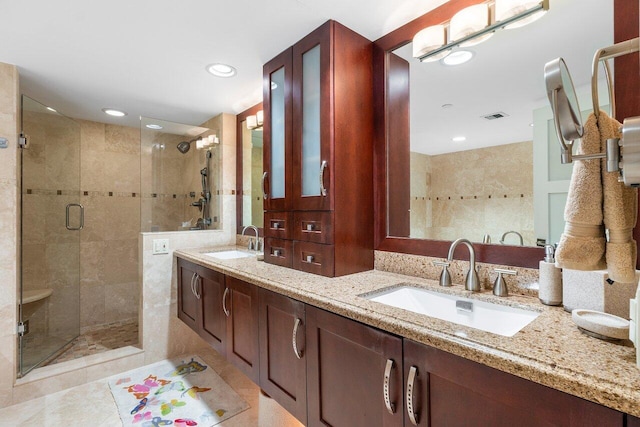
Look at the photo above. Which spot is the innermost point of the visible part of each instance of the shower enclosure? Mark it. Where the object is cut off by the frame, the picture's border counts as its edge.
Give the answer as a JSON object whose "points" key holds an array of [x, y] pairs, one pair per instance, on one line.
{"points": [[180, 176], [52, 217]]}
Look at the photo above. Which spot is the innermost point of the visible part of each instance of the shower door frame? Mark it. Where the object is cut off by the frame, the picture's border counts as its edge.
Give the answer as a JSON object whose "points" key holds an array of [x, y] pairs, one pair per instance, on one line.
{"points": [[74, 195]]}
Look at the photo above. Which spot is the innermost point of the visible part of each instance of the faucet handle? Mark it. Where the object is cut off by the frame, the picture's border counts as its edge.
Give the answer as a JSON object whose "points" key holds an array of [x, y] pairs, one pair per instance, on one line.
{"points": [[500, 285], [441, 263]]}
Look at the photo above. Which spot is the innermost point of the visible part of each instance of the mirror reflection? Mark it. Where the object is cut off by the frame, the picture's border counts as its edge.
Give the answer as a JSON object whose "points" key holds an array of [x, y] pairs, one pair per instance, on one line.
{"points": [[252, 199], [483, 155]]}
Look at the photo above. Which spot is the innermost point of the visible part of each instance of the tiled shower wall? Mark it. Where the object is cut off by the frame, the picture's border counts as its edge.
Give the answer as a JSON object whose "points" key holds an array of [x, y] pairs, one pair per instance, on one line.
{"points": [[110, 193], [110, 181], [474, 192], [169, 177]]}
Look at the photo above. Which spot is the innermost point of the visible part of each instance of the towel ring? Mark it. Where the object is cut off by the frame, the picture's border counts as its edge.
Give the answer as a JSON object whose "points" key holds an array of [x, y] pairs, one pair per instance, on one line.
{"points": [[618, 49]]}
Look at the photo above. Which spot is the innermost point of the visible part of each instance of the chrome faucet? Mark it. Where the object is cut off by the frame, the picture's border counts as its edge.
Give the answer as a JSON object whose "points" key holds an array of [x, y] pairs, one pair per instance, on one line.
{"points": [[472, 282], [252, 245], [514, 232]]}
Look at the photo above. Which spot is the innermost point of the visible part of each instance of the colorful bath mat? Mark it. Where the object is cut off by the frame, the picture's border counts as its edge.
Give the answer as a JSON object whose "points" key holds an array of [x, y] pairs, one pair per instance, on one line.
{"points": [[178, 393]]}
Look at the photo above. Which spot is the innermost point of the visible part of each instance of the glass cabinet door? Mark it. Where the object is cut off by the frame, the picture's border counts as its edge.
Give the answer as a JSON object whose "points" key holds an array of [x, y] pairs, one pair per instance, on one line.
{"points": [[277, 133], [311, 119]]}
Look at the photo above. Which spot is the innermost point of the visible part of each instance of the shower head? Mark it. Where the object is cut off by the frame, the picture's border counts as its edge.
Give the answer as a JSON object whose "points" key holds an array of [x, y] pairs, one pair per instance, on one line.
{"points": [[184, 146]]}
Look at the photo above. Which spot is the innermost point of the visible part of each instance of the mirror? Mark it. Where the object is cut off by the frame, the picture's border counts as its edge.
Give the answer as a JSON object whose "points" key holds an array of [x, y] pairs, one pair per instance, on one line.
{"points": [[250, 210], [479, 137]]}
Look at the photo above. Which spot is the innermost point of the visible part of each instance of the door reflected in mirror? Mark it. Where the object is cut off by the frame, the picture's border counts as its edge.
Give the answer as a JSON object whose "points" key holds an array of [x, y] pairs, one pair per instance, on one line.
{"points": [[252, 198], [479, 137]]}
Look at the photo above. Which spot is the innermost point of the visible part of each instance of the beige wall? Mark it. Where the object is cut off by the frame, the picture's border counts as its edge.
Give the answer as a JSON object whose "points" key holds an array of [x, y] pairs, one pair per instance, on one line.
{"points": [[494, 195], [9, 208]]}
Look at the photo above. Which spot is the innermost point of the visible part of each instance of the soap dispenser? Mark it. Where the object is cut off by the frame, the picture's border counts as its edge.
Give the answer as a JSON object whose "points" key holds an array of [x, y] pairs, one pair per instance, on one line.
{"points": [[550, 282]]}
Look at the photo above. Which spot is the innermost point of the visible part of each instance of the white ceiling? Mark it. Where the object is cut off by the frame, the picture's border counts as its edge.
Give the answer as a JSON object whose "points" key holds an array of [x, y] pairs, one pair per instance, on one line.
{"points": [[148, 57]]}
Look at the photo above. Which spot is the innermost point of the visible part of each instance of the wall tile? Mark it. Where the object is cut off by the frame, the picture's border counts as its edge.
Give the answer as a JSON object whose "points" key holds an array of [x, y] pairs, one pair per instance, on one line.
{"points": [[92, 305], [121, 139]]}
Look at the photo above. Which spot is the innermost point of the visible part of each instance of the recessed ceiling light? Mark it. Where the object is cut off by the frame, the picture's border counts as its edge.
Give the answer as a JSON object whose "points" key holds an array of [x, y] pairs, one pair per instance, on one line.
{"points": [[221, 70], [113, 112], [52, 109], [458, 138], [458, 57], [531, 124], [154, 126]]}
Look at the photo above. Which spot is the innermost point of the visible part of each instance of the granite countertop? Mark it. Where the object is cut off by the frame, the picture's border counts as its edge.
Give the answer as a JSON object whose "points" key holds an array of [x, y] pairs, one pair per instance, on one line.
{"points": [[549, 351]]}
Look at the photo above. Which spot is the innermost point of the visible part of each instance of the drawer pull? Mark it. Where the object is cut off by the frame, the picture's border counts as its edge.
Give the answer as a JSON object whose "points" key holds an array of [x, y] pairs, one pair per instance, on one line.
{"points": [[264, 192], [387, 379], [297, 352], [413, 414], [224, 302], [323, 166]]}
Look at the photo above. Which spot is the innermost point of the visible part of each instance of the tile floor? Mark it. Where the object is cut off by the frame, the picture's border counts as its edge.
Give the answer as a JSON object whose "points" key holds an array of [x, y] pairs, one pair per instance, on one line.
{"points": [[99, 339], [92, 404]]}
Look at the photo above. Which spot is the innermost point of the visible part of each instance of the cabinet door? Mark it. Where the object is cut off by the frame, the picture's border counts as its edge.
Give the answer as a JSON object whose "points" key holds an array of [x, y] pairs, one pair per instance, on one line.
{"points": [[312, 120], [283, 352], [277, 132], [241, 308], [187, 300], [633, 421], [451, 391], [346, 373], [210, 287]]}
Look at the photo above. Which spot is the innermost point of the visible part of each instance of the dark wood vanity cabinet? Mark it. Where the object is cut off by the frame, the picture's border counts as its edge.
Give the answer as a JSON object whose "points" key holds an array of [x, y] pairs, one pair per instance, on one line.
{"points": [[633, 421], [200, 292], [223, 311], [346, 367], [318, 153], [448, 390], [240, 305], [283, 351]]}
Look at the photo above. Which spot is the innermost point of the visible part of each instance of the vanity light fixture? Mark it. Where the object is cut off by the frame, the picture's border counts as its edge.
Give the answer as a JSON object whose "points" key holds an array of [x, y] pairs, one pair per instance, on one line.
{"points": [[154, 126], [429, 39], [477, 23], [468, 21], [255, 121], [505, 9], [221, 70], [459, 138], [113, 112], [458, 57]]}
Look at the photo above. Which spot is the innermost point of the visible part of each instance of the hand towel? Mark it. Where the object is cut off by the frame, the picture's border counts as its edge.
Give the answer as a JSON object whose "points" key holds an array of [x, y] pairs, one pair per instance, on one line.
{"points": [[620, 212], [582, 244]]}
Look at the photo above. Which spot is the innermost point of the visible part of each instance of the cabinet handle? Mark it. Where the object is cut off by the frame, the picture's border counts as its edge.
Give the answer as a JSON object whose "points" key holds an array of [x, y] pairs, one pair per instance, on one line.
{"points": [[323, 166], [224, 302], [295, 338], [264, 192], [193, 279], [196, 286], [387, 379], [413, 414]]}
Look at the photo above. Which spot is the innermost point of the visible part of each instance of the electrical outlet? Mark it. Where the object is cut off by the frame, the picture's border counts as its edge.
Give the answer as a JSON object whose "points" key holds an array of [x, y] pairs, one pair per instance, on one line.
{"points": [[160, 246]]}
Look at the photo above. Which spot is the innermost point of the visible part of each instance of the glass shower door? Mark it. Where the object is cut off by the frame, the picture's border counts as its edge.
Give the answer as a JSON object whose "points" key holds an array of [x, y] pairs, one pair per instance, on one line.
{"points": [[52, 217]]}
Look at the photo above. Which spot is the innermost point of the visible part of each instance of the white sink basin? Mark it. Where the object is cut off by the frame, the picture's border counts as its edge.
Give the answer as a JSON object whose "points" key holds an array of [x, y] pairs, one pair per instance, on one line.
{"points": [[229, 254], [494, 318]]}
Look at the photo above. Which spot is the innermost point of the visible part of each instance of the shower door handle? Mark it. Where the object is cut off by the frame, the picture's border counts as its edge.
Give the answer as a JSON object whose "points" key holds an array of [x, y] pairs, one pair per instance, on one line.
{"points": [[81, 226]]}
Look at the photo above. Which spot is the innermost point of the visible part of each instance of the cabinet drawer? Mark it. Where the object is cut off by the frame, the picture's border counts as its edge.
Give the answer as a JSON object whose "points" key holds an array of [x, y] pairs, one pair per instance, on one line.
{"points": [[313, 258], [278, 225], [278, 252], [313, 227]]}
